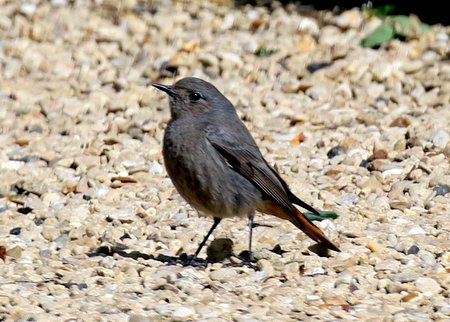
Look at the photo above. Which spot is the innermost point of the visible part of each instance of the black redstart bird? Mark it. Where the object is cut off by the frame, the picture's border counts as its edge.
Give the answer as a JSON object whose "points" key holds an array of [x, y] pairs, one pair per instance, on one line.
{"points": [[216, 166]]}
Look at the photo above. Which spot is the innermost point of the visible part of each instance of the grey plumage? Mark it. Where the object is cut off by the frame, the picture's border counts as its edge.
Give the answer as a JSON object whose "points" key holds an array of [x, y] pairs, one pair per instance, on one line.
{"points": [[215, 164]]}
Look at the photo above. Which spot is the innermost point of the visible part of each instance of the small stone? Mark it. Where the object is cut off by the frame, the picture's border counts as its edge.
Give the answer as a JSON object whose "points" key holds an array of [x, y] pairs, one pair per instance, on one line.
{"points": [[28, 8], [230, 60], [139, 318], [58, 3], [406, 276], [306, 44], [349, 143], [440, 139], [413, 250], [410, 297], [445, 259], [223, 275], [349, 19], [347, 199], [24, 210], [308, 26], [208, 59], [259, 276], [124, 215], [319, 92], [413, 142], [372, 246], [364, 164], [15, 231], [312, 266], [441, 189], [412, 66], [392, 172], [401, 122], [219, 249], [156, 168], [337, 150], [135, 25], [445, 309], [416, 231], [400, 145], [378, 154], [266, 265], [371, 185], [183, 313], [394, 287], [388, 265], [14, 252], [427, 286]]}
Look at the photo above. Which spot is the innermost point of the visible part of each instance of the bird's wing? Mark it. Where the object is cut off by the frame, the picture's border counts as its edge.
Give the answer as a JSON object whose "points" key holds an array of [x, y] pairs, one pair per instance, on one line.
{"points": [[293, 198], [246, 159], [248, 162]]}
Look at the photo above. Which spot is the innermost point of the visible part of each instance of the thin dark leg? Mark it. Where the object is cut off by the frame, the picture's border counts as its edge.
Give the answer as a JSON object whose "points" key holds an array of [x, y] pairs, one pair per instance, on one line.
{"points": [[215, 224], [250, 227]]}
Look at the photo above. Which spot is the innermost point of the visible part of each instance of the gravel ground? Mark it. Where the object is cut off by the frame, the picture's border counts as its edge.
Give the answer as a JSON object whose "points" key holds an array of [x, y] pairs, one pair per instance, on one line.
{"points": [[90, 224]]}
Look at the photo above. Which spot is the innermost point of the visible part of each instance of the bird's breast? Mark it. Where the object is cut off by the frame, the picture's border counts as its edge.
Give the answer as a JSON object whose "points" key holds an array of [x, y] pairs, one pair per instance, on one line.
{"points": [[202, 176]]}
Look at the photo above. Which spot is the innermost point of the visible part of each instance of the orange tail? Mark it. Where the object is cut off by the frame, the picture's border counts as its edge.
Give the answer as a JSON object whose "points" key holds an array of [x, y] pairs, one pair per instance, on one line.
{"points": [[301, 222], [314, 232]]}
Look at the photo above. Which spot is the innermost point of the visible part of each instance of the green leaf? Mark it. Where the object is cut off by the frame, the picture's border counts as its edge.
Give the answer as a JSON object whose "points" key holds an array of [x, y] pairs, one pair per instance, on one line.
{"points": [[263, 51], [379, 36], [384, 10], [323, 215]]}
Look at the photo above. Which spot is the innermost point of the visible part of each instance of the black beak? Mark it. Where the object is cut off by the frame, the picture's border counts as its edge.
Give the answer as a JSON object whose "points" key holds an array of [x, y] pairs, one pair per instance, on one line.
{"points": [[165, 88]]}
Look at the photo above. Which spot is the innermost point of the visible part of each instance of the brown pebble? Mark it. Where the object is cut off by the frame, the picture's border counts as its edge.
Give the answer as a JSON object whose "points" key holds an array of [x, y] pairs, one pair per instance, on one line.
{"points": [[401, 121], [409, 297], [124, 179], [378, 154], [372, 246]]}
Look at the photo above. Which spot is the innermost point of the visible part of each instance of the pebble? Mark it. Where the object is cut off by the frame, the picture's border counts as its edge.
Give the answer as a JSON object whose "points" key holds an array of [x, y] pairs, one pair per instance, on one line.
{"points": [[378, 154], [335, 151], [445, 309], [15, 231], [416, 231], [347, 199], [223, 275], [388, 265], [401, 122], [28, 8], [441, 189], [427, 286], [219, 249], [183, 313], [440, 139], [156, 168], [413, 250]]}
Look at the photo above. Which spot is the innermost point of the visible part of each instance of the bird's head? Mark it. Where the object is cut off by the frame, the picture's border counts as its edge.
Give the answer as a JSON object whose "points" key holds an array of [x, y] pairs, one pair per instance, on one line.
{"points": [[192, 96]]}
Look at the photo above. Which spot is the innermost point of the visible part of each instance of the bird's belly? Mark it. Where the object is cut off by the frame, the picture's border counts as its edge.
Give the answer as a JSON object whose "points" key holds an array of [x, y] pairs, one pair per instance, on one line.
{"points": [[206, 182]]}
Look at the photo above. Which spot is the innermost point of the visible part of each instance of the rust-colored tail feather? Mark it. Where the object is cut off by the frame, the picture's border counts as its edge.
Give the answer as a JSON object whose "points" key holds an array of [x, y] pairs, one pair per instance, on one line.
{"points": [[300, 221], [314, 232]]}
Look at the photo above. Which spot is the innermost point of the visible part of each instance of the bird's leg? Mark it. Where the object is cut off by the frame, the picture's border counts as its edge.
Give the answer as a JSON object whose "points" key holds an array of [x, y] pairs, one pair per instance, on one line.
{"points": [[251, 215], [215, 224]]}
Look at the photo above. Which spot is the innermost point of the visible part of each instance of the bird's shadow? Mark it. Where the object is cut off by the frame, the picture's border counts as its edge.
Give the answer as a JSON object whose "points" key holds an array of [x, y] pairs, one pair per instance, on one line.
{"points": [[183, 259], [243, 259]]}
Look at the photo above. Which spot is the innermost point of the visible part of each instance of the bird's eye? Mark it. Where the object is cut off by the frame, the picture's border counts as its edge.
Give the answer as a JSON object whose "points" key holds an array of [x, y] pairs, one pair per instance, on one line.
{"points": [[195, 96]]}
